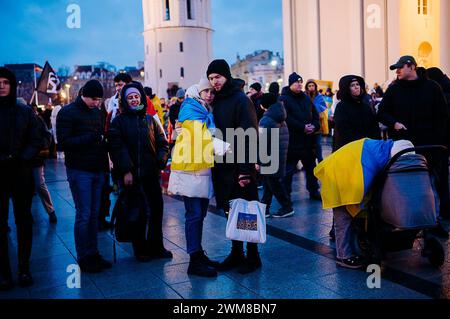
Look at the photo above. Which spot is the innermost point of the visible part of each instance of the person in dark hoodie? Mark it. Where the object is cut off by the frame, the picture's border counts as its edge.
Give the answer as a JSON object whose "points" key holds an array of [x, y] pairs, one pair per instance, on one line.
{"points": [[303, 123], [233, 110], [274, 119], [20, 142], [81, 135], [139, 150], [255, 94], [415, 109], [354, 118]]}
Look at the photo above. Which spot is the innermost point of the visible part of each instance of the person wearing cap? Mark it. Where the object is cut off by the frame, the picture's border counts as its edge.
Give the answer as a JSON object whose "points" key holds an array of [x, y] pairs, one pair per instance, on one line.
{"points": [[274, 121], [232, 109], [156, 102], [415, 109], [303, 123], [139, 151], [255, 94], [81, 135], [20, 142], [191, 175]]}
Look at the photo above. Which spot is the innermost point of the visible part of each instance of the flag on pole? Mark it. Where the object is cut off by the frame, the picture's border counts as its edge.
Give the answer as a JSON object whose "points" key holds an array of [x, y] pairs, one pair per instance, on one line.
{"points": [[49, 82]]}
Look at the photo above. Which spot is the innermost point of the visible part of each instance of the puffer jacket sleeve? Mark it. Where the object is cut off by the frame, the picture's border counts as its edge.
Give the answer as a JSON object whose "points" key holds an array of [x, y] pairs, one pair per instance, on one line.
{"points": [[64, 132], [118, 149], [162, 146]]}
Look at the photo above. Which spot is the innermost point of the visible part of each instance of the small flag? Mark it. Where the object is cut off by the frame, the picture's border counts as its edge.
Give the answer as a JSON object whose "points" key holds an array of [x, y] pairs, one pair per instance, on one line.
{"points": [[49, 82]]}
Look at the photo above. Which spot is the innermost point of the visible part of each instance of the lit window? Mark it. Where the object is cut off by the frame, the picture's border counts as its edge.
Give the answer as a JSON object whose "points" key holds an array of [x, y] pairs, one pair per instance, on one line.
{"points": [[181, 47], [423, 7]]}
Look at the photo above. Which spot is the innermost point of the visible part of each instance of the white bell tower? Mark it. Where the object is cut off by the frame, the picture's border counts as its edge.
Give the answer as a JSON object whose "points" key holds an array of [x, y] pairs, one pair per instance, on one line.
{"points": [[178, 42]]}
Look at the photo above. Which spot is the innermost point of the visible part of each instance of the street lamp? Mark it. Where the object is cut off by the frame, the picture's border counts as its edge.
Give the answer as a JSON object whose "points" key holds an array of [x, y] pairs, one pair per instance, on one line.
{"points": [[67, 86]]}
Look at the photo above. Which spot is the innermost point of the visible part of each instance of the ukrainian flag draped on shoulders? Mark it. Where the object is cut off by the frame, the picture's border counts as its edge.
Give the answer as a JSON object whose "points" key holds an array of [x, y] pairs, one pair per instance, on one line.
{"points": [[347, 175], [194, 148]]}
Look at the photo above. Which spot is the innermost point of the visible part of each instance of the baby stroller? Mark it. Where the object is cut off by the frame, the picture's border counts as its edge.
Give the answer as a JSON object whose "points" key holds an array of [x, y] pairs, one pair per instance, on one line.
{"points": [[403, 208]]}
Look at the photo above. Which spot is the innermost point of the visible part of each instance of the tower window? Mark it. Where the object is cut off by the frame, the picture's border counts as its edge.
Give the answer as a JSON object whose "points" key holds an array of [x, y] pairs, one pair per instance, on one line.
{"points": [[160, 46], [190, 16], [166, 6], [146, 49], [423, 7], [181, 47], [160, 74], [182, 72]]}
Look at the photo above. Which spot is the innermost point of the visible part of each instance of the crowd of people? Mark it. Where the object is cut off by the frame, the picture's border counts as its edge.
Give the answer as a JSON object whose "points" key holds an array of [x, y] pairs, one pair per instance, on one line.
{"points": [[125, 141]]}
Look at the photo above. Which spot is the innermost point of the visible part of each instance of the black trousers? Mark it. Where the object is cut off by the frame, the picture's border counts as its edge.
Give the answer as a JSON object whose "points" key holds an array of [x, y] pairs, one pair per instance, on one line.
{"points": [[105, 205], [150, 238], [273, 186], [308, 159], [16, 183]]}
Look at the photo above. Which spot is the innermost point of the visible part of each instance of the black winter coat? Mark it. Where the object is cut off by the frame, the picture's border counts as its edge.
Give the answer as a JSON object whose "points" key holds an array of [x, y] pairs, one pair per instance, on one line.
{"points": [[354, 118], [80, 132], [20, 137], [137, 143], [300, 112], [233, 109], [419, 105], [274, 118]]}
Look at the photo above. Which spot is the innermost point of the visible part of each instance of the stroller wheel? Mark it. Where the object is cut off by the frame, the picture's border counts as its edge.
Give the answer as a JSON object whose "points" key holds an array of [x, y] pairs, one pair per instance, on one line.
{"points": [[434, 251]]}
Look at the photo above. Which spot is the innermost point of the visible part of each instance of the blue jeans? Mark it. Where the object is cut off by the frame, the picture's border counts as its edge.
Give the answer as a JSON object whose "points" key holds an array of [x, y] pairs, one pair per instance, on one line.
{"points": [[86, 190], [196, 210]]}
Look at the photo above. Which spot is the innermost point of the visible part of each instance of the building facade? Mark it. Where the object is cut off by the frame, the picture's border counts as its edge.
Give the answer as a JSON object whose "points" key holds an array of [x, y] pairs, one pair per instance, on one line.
{"points": [[326, 39], [261, 66], [178, 42]]}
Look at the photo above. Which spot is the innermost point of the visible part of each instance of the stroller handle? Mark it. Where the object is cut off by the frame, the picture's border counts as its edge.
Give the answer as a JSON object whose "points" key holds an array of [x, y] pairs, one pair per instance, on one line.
{"points": [[425, 148]]}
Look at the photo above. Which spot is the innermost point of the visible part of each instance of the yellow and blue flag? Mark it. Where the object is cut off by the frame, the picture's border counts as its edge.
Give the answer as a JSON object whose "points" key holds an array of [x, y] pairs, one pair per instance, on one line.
{"points": [[347, 175]]}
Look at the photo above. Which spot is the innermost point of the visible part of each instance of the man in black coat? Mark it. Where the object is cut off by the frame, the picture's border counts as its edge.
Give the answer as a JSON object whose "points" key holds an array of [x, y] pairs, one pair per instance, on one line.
{"points": [[81, 135], [415, 109], [303, 122], [20, 142], [274, 130], [232, 179]]}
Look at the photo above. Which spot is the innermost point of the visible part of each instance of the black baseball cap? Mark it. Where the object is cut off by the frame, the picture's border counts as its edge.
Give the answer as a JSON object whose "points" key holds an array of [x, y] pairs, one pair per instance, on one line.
{"points": [[406, 59]]}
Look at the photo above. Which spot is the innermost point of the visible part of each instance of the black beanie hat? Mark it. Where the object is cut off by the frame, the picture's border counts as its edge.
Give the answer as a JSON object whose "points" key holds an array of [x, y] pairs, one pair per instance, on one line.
{"points": [[220, 67], [274, 88], [92, 89], [256, 86], [294, 77], [268, 99]]}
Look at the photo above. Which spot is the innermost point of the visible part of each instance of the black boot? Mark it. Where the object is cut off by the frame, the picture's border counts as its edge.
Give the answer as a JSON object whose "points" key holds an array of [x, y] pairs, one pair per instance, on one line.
{"points": [[253, 260], [209, 262], [235, 259], [198, 266]]}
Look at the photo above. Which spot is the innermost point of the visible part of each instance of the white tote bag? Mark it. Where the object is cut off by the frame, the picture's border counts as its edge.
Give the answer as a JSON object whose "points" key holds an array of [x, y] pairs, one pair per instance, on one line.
{"points": [[247, 221]]}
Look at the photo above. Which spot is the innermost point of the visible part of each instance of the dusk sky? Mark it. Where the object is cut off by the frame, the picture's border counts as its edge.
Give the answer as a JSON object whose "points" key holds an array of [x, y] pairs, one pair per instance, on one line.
{"points": [[111, 31]]}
